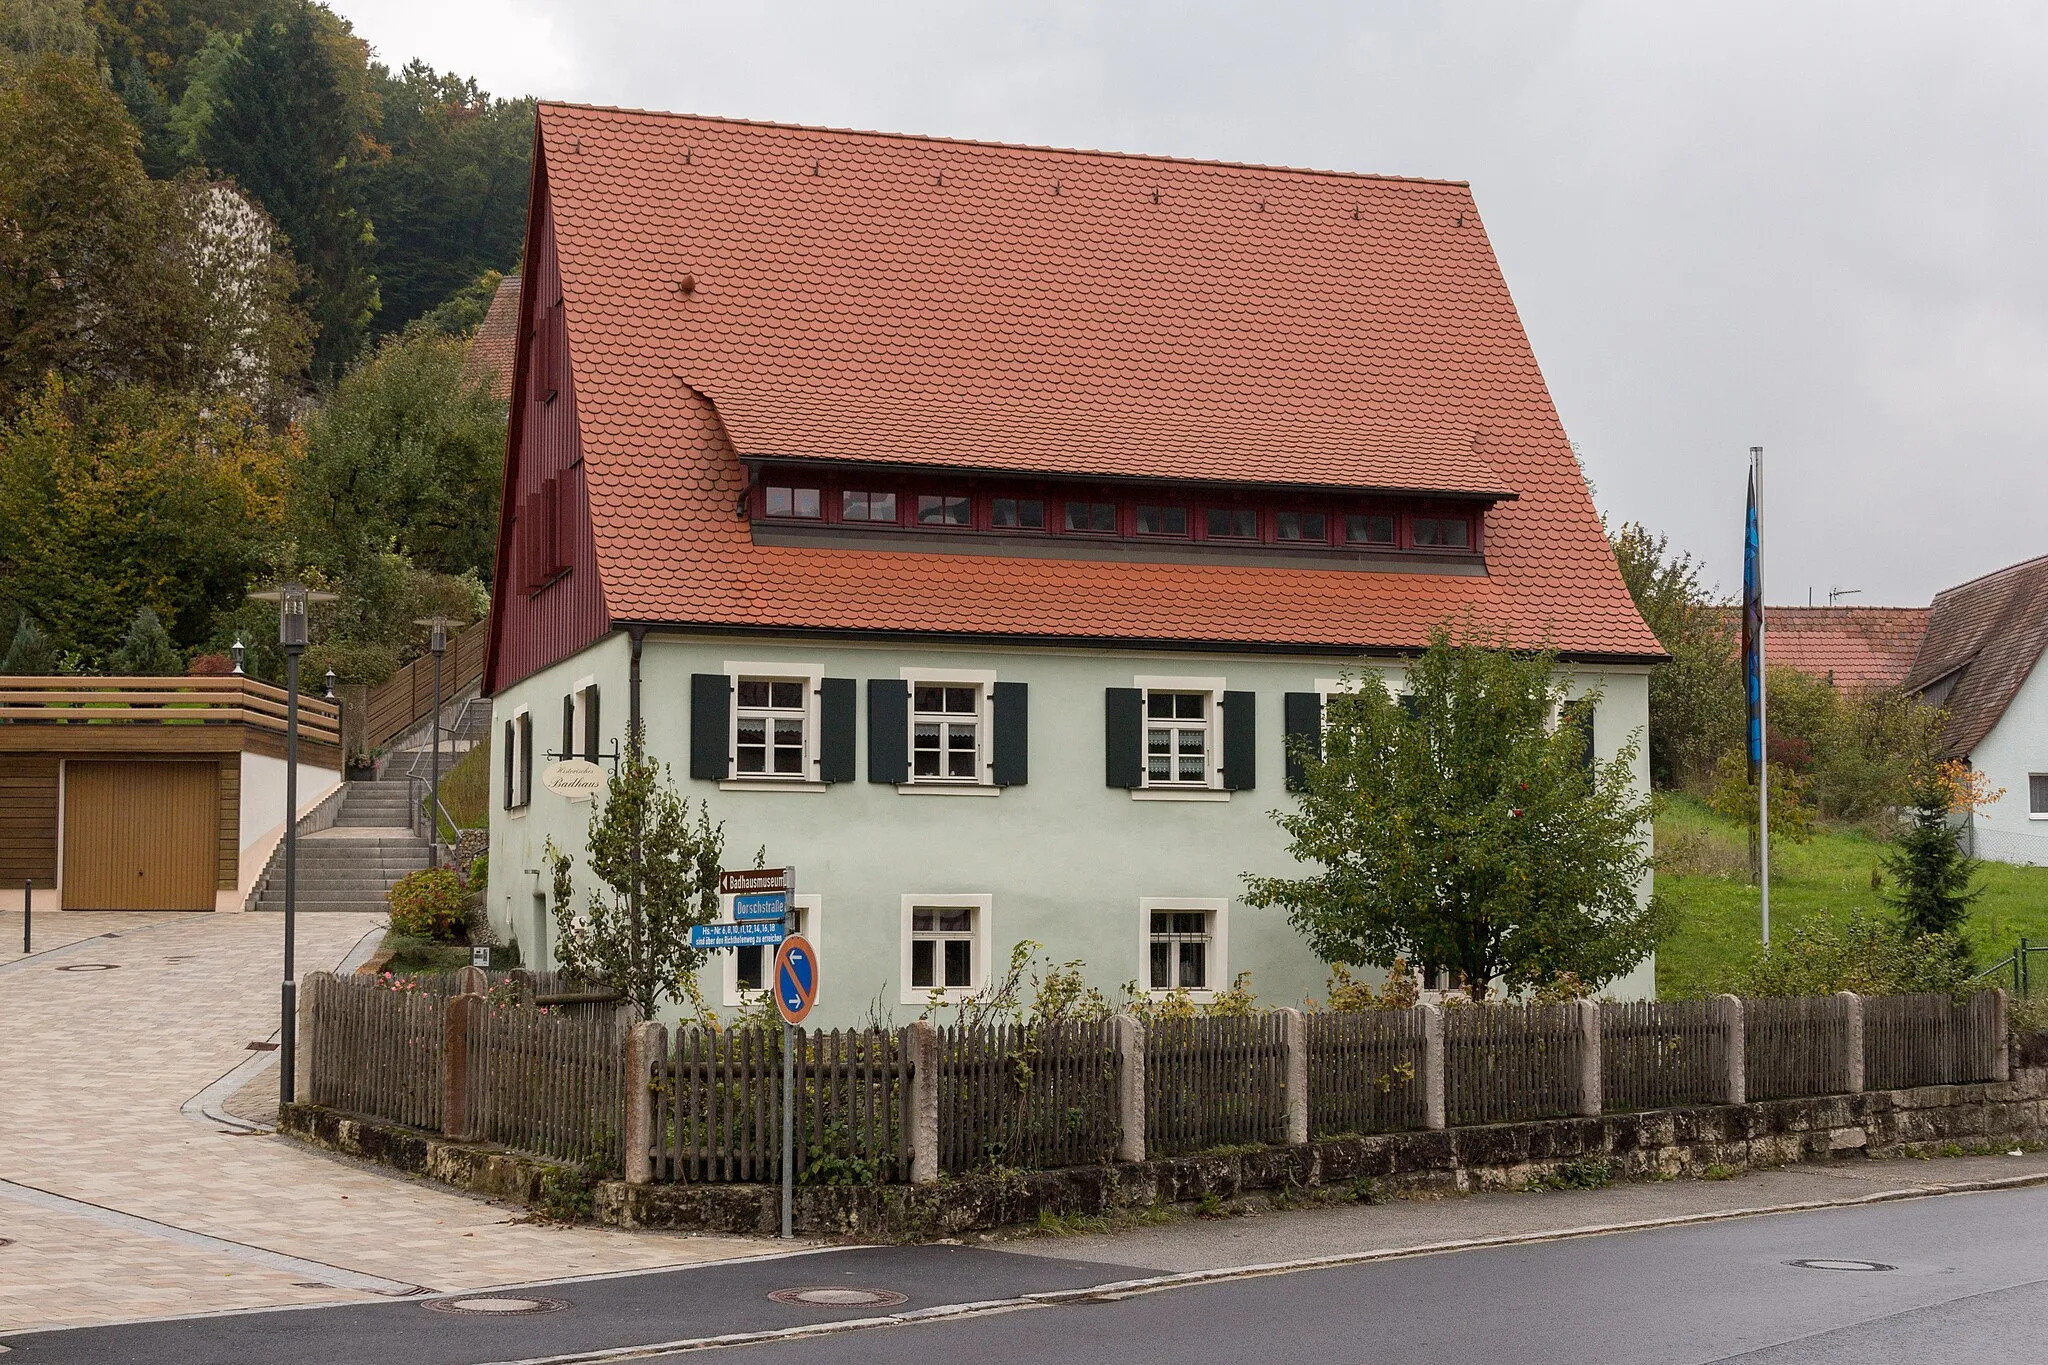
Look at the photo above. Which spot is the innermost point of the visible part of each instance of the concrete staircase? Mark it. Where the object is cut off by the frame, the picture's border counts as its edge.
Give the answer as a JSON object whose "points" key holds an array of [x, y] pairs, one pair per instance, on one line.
{"points": [[353, 865]]}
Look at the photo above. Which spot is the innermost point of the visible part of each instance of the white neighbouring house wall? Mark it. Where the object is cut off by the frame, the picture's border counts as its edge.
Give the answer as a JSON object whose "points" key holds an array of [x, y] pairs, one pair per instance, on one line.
{"points": [[2016, 748]]}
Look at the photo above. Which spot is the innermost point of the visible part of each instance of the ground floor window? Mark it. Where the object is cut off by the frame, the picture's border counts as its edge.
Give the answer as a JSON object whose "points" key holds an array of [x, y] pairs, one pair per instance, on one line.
{"points": [[1183, 944], [2037, 794], [747, 970], [945, 947]]}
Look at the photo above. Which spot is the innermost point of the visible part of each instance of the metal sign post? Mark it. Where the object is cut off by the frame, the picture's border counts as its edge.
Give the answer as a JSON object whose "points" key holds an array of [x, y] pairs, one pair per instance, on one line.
{"points": [[764, 913], [796, 990]]}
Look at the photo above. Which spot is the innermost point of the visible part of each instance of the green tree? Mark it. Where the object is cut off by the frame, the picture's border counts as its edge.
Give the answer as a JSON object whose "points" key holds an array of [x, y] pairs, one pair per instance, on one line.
{"points": [[462, 312], [654, 874], [30, 28], [147, 650], [1696, 704], [289, 116], [31, 653], [405, 456], [449, 201], [1929, 874], [1465, 830], [129, 498], [1865, 955]]}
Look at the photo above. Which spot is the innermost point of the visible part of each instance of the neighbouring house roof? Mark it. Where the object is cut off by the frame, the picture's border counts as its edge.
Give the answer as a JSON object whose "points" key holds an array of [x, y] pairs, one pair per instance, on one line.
{"points": [[740, 290], [1983, 639], [495, 343], [1851, 647]]}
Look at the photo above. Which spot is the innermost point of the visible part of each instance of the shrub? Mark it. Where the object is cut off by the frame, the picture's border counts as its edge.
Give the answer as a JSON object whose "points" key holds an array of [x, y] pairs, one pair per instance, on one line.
{"points": [[1734, 798], [1868, 955], [431, 903], [479, 871]]}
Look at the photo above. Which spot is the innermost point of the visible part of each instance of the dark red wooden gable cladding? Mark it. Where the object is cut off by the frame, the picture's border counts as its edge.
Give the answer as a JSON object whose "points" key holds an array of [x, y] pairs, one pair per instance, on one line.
{"points": [[547, 602]]}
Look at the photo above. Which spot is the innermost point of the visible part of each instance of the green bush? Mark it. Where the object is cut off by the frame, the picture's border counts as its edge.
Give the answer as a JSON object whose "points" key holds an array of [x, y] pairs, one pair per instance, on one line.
{"points": [[1868, 955], [431, 904], [480, 871]]}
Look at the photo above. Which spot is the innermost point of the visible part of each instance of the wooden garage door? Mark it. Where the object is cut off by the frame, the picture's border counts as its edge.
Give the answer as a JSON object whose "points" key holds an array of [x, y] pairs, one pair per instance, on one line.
{"points": [[140, 836]]}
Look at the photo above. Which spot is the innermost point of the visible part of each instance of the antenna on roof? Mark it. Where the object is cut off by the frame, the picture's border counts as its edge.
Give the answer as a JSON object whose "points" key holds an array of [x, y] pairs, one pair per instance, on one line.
{"points": [[1835, 593]]}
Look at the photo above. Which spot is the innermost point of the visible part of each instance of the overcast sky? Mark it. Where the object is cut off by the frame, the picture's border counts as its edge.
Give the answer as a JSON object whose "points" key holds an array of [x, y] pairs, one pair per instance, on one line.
{"points": [[1819, 228]]}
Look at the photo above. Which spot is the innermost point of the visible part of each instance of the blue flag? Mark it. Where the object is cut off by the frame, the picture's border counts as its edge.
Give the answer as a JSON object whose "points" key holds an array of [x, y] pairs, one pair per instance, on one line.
{"points": [[1753, 631]]}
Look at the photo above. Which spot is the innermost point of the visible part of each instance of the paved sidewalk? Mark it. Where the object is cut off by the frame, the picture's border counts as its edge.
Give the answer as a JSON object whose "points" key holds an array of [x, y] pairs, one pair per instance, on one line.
{"points": [[95, 1065], [1267, 1235]]}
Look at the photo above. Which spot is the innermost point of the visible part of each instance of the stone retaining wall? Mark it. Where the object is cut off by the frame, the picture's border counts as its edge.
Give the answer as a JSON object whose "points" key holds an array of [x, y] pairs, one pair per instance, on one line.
{"points": [[1660, 1143]]}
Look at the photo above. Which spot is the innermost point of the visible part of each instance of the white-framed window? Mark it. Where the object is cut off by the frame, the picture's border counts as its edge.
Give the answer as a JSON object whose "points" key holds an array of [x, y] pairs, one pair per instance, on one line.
{"points": [[2037, 796], [1184, 944], [745, 970], [1396, 681], [945, 946], [519, 761], [1183, 732], [950, 724], [774, 722]]}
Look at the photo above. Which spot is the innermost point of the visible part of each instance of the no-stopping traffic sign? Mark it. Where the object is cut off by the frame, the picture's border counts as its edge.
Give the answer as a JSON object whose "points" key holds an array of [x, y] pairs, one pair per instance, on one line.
{"points": [[796, 978]]}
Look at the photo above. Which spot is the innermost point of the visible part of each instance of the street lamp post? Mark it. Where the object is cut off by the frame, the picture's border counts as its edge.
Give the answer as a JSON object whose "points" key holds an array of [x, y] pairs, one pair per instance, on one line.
{"points": [[292, 600], [437, 642]]}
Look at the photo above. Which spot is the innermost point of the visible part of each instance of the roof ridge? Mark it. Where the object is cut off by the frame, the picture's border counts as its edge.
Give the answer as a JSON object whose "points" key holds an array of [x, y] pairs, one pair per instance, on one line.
{"points": [[941, 140], [1995, 573]]}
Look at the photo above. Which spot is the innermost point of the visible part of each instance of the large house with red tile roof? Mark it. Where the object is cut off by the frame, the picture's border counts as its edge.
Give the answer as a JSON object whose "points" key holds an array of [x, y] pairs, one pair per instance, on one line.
{"points": [[970, 525], [1850, 647]]}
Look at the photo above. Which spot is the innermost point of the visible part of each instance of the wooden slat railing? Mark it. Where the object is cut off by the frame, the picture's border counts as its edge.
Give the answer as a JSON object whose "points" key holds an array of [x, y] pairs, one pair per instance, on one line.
{"points": [[407, 697], [216, 700]]}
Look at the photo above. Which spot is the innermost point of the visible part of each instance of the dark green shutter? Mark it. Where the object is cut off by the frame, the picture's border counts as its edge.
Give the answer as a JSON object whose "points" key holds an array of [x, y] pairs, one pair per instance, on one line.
{"points": [[1411, 705], [1579, 716], [836, 760], [590, 730], [888, 730], [511, 763], [1123, 735], [1240, 741], [710, 726], [526, 759], [1013, 734], [569, 726], [1301, 717]]}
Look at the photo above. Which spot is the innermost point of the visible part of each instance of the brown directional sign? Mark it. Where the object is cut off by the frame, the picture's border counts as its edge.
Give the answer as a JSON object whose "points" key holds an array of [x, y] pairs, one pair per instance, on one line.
{"points": [[731, 883]]}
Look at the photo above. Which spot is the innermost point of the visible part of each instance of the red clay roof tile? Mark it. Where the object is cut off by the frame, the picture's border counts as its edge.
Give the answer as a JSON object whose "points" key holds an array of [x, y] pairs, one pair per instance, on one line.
{"points": [[864, 296]]}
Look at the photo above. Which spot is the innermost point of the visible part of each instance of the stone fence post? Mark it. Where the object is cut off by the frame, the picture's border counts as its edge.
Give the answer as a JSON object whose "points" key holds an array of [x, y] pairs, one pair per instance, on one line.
{"points": [[1432, 1077], [2001, 1035], [644, 1044], [1733, 1082], [1852, 1043], [1294, 1063], [303, 1051], [921, 1050], [1589, 1057], [462, 1011], [1130, 1089], [472, 981]]}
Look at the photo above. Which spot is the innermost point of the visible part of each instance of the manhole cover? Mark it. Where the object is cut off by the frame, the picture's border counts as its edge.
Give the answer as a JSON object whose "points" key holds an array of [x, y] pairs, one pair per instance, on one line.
{"points": [[1842, 1265], [6, 1241], [499, 1306], [89, 967], [840, 1296]]}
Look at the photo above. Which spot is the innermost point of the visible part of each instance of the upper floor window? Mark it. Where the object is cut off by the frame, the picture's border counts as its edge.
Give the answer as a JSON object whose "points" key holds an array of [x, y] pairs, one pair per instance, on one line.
{"points": [[768, 727], [1372, 528], [1451, 533], [1233, 523], [855, 506], [1162, 521], [785, 501], [1017, 514], [2037, 795], [1177, 738], [944, 509], [1098, 517], [945, 732], [1302, 526]]}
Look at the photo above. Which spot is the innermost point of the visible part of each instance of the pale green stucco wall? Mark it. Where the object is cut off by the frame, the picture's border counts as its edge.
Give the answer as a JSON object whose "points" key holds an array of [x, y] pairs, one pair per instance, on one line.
{"points": [[1065, 858]]}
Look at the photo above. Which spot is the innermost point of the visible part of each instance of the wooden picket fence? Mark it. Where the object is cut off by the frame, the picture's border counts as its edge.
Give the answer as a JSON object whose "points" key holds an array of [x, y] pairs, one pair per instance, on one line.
{"points": [[1508, 1063], [1214, 1083], [1365, 1072], [548, 1083], [1929, 1040], [374, 1051], [1795, 1046], [1659, 1054], [1017, 1096], [719, 1115]]}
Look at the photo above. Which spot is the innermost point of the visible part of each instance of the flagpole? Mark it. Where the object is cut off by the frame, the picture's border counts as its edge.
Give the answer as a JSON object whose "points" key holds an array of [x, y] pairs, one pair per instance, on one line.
{"points": [[1763, 786]]}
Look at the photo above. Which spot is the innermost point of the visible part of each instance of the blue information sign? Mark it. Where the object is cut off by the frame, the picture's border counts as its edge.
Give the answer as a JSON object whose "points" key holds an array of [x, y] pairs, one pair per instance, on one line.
{"points": [[765, 935], [760, 905]]}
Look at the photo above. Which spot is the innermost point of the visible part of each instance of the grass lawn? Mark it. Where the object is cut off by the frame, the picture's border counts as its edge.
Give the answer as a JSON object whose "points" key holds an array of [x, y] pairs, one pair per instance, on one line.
{"points": [[466, 790], [1704, 873]]}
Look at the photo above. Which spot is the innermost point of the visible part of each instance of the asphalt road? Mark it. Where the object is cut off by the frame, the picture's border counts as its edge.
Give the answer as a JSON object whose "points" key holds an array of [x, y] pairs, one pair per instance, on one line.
{"points": [[1969, 1282]]}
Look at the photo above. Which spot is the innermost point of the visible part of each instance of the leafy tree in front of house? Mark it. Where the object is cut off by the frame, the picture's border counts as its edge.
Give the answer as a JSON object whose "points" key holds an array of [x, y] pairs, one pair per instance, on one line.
{"points": [[1696, 703], [652, 874], [1930, 876], [1464, 829], [146, 651]]}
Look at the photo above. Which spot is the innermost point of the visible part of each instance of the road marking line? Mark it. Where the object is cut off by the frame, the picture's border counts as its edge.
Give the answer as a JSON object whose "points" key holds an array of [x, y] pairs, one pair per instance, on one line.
{"points": [[334, 1275]]}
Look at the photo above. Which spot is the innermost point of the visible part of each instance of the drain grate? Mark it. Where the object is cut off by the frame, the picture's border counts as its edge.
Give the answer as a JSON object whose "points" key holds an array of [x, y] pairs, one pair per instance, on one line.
{"points": [[839, 1296], [1827, 1264], [496, 1306]]}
